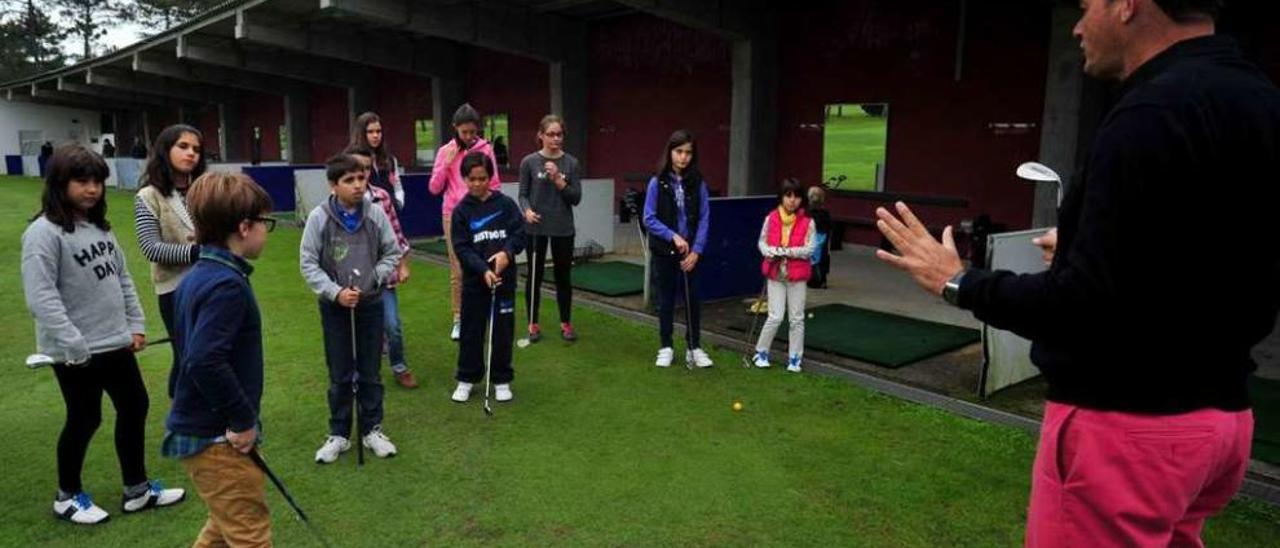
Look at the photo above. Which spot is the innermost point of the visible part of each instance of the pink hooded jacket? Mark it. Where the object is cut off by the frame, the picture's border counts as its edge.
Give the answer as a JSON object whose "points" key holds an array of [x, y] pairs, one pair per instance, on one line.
{"points": [[447, 178]]}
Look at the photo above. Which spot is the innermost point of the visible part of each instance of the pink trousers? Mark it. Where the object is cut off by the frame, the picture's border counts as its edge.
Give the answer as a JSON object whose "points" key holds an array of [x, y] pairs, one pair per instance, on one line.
{"points": [[1104, 478]]}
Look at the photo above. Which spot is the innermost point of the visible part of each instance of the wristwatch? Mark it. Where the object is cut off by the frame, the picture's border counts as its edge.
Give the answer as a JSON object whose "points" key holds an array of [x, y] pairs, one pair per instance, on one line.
{"points": [[951, 290]]}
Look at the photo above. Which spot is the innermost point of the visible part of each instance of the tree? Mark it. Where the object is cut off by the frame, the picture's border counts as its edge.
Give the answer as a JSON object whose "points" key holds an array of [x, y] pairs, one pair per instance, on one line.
{"points": [[89, 19], [30, 41], [161, 15]]}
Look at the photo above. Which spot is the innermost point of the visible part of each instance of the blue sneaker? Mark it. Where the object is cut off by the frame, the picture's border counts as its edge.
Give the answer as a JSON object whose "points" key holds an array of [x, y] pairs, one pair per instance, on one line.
{"points": [[762, 359], [793, 363]]}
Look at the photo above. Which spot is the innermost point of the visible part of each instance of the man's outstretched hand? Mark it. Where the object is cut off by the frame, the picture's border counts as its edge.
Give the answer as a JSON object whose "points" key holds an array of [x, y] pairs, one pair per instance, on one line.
{"points": [[929, 261]]}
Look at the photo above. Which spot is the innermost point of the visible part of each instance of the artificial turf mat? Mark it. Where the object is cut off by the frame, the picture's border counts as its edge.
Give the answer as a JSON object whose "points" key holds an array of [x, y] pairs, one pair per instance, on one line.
{"points": [[887, 340], [609, 278]]}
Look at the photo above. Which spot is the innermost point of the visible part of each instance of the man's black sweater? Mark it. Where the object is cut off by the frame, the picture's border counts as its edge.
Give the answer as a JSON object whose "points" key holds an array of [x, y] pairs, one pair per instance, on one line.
{"points": [[1167, 270]]}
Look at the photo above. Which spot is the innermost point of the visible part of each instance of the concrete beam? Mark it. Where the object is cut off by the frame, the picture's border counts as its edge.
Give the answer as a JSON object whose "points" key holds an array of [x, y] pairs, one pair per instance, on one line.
{"points": [[526, 33], [23, 95], [425, 57], [166, 66], [142, 83], [278, 63], [753, 127], [734, 20], [67, 84]]}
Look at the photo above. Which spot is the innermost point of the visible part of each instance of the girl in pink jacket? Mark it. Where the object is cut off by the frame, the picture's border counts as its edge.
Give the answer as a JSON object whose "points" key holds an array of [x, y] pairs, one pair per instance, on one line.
{"points": [[447, 179], [786, 242]]}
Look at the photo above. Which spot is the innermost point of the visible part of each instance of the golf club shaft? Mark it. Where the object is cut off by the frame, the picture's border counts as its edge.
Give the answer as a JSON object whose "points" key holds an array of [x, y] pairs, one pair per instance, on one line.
{"points": [[257, 459], [688, 319], [488, 358]]}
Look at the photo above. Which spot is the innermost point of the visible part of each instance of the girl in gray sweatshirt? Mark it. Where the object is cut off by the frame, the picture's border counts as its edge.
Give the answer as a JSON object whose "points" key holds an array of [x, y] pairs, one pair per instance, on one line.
{"points": [[89, 321]]}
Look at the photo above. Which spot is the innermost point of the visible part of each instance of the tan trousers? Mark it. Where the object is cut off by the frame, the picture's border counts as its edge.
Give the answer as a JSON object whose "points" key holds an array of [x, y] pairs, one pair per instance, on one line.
{"points": [[455, 269], [234, 489]]}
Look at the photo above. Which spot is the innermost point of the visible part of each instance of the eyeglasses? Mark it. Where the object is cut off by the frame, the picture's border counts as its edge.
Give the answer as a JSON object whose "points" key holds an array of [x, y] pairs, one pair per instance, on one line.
{"points": [[269, 221]]}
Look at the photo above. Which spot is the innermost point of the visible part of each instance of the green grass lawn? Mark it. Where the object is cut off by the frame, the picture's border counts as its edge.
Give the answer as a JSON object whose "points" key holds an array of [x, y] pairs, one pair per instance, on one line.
{"points": [[599, 448], [852, 144]]}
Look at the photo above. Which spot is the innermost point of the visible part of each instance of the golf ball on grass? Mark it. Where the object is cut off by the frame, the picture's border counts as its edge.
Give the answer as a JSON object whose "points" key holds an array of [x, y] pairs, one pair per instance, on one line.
{"points": [[737, 406]]}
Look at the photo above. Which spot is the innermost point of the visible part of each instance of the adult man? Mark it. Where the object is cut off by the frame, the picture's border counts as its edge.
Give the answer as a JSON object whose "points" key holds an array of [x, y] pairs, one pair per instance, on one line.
{"points": [[1142, 331]]}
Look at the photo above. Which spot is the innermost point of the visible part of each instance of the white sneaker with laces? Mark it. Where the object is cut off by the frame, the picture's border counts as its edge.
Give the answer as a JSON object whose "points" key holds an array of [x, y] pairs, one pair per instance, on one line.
{"points": [[456, 333], [462, 393], [793, 363], [379, 443], [154, 497], [333, 446], [665, 355], [80, 509], [700, 358], [762, 359], [502, 392]]}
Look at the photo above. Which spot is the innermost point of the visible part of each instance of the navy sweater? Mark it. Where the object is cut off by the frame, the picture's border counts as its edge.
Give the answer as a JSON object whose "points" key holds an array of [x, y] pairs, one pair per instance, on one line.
{"points": [[218, 338], [480, 230], [1167, 271]]}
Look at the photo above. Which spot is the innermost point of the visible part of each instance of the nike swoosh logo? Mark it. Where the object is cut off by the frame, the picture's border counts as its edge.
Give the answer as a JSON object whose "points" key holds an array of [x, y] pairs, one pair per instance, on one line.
{"points": [[479, 223]]}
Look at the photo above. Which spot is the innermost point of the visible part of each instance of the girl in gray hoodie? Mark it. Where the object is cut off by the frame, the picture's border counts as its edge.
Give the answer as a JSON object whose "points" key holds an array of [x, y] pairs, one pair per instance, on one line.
{"points": [[88, 319]]}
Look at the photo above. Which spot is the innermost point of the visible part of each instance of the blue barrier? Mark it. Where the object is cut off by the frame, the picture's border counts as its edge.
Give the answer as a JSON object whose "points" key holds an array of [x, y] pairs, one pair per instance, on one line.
{"points": [[421, 216], [278, 182], [730, 266], [13, 164]]}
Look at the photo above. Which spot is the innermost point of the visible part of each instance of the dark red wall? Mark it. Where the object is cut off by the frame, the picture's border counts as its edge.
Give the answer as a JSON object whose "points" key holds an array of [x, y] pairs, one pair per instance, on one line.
{"points": [[904, 53], [399, 100], [649, 77], [519, 87], [265, 111], [209, 127], [329, 124]]}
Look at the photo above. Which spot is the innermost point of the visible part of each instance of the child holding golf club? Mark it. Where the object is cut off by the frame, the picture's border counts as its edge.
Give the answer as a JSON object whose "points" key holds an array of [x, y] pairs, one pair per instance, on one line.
{"points": [[549, 189], [786, 243], [214, 419], [488, 233], [447, 179], [677, 214], [348, 253], [89, 321], [390, 300]]}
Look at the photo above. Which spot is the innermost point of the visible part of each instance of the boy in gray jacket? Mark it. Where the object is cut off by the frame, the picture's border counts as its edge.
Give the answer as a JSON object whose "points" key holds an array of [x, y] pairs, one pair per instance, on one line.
{"points": [[347, 254]]}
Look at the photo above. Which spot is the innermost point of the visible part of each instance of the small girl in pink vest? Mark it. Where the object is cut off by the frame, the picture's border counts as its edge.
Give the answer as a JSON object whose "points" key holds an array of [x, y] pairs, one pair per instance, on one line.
{"points": [[786, 242]]}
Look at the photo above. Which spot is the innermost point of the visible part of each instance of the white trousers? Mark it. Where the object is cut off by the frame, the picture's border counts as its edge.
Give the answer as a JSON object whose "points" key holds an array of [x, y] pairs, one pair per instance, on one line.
{"points": [[788, 297]]}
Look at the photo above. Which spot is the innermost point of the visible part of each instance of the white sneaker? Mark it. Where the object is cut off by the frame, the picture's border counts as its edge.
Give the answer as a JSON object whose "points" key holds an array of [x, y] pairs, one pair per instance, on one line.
{"points": [[502, 392], [379, 443], [793, 364], [665, 355], [462, 393], [457, 331], [155, 496], [699, 358], [333, 446], [761, 360], [80, 509]]}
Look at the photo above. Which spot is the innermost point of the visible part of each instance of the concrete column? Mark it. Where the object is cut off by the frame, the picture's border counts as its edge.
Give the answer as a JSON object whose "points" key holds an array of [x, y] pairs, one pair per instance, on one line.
{"points": [[569, 100], [233, 142], [753, 131], [297, 122], [447, 94], [359, 101], [1060, 128]]}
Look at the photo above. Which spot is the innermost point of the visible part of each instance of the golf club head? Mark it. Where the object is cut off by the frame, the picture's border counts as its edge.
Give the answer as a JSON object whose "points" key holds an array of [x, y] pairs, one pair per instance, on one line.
{"points": [[522, 343], [1038, 172], [746, 361], [36, 361], [488, 411]]}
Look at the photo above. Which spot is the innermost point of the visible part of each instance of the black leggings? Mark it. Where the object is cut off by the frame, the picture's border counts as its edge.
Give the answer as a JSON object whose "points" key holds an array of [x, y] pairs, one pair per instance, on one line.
{"points": [[562, 256], [115, 372], [166, 314]]}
